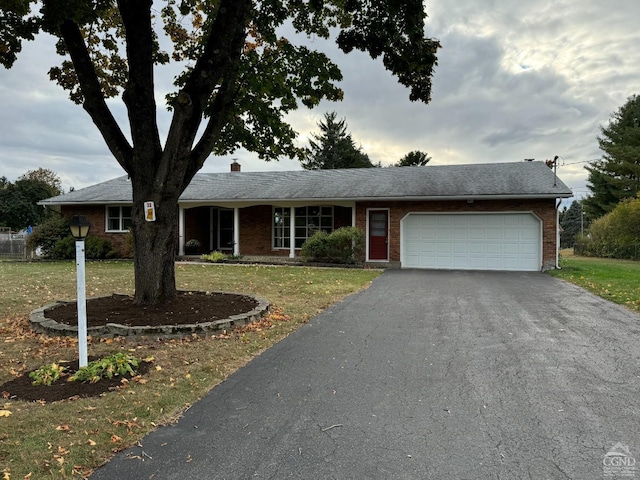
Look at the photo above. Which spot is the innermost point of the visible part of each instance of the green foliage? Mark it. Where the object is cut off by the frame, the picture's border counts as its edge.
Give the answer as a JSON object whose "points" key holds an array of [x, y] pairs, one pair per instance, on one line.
{"points": [[334, 147], [118, 364], [47, 374], [315, 247], [572, 224], [416, 158], [64, 249], [19, 201], [614, 235], [617, 175], [15, 26], [345, 246], [95, 248], [239, 81], [47, 234], [214, 257], [192, 246]]}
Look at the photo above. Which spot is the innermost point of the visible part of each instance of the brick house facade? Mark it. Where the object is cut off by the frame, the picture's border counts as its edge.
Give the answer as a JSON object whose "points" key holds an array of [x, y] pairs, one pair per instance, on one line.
{"points": [[497, 216]]}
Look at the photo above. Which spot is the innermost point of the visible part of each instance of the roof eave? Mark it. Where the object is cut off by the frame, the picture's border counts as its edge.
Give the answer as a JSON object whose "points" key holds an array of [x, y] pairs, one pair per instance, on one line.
{"points": [[424, 198], [429, 198]]}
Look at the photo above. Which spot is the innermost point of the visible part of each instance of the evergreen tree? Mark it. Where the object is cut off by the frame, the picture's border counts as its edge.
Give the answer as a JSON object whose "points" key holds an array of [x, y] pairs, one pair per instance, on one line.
{"points": [[414, 158], [334, 147], [572, 224], [617, 175]]}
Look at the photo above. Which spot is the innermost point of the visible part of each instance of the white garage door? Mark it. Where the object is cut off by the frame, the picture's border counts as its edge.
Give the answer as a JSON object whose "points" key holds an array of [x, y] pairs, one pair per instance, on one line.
{"points": [[500, 241]]}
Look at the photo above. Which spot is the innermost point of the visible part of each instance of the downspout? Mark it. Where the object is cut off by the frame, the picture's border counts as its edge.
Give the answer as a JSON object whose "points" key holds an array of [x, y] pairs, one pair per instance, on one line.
{"points": [[558, 234], [353, 215]]}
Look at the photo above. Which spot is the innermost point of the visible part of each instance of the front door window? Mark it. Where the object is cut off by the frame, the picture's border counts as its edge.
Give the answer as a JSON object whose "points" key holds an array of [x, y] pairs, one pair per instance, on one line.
{"points": [[378, 234]]}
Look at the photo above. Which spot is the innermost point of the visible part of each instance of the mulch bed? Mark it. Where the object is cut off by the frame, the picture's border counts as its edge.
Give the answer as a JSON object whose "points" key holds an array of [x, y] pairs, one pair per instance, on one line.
{"points": [[186, 308], [21, 388]]}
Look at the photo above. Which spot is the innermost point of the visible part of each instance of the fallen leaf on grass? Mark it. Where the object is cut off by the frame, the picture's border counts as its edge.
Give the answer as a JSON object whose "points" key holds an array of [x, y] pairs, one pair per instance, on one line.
{"points": [[116, 438], [4, 413]]}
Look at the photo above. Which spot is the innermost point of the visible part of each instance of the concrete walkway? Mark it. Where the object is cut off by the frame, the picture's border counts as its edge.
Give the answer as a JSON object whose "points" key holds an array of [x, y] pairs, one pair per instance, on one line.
{"points": [[425, 375]]}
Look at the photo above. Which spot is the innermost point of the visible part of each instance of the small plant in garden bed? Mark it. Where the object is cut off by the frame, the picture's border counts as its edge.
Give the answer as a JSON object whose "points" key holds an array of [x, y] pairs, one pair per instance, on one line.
{"points": [[47, 374], [118, 364], [214, 257], [217, 257], [192, 246]]}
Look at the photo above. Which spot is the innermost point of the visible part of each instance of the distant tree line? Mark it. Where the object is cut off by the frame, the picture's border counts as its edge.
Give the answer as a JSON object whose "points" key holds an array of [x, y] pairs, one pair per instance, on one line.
{"points": [[335, 148]]}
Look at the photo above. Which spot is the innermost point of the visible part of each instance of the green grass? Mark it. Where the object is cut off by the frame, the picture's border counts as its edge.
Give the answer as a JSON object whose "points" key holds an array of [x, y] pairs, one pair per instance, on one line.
{"points": [[614, 280], [68, 439]]}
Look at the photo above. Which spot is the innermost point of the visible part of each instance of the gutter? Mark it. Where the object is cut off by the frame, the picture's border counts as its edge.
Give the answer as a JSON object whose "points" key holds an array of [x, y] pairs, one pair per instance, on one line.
{"points": [[327, 200]]}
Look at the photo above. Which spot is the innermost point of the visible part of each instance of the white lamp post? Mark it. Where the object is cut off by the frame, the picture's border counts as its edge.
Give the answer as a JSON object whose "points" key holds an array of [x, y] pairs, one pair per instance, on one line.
{"points": [[79, 226]]}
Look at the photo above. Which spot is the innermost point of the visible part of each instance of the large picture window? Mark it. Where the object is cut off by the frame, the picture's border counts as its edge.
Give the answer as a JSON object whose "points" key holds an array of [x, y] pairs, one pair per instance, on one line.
{"points": [[307, 221], [118, 219]]}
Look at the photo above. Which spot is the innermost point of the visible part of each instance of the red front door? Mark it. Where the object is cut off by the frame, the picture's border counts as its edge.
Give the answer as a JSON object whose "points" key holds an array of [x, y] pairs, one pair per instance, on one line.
{"points": [[378, 234]]}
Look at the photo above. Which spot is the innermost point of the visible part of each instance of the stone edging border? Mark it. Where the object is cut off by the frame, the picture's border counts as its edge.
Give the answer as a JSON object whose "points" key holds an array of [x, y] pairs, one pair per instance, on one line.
{"points": [[40, 322]]}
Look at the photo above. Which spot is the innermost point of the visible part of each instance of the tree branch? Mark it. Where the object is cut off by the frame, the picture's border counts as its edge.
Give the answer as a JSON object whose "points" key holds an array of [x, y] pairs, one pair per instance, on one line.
{"points": [[217, 67], [94, 102], [139, 93]]}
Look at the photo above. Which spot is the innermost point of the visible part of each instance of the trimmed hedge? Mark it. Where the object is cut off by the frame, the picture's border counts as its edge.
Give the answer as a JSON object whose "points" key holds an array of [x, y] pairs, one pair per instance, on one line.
{"points": [[345, 245], [94, 248]]}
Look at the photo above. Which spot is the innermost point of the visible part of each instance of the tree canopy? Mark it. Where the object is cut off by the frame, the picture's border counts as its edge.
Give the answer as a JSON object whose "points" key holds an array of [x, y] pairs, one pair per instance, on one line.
{"points": [[19, 200], [615, 234], [239, 79], [334, 147], [617, 175], [415, 158]]}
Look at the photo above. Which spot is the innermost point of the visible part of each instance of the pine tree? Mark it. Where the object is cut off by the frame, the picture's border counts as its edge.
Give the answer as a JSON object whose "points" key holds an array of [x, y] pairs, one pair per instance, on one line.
{"points": [[572, 224], [617, 175], [334, 147], [415, 158]]}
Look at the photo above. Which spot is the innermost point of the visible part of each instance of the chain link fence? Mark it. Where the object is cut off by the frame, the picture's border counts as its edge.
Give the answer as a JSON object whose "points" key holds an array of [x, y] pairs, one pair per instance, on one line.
{"points": [[13, 247]]}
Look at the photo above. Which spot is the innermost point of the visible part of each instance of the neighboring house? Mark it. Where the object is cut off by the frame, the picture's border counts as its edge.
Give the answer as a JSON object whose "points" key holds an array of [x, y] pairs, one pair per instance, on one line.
{"points": [[500, 216]]}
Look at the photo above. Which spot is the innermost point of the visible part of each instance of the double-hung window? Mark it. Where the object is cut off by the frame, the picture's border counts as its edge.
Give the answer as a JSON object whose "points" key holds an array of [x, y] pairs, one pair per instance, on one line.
{"points": [[307, 221], [118, 219]]}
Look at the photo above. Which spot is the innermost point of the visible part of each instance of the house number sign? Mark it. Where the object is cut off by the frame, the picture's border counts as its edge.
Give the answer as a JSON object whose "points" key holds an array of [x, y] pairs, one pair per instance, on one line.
{"points": [[149, 212]]}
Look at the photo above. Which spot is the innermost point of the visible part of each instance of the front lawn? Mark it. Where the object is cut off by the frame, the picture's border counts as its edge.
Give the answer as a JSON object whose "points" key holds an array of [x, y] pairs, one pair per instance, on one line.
{"points": [[68, 439], [614, 280]]}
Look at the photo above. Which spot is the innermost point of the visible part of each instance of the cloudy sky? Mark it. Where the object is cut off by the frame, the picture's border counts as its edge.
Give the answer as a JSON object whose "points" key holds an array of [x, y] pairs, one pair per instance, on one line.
{"points": [[515, 80]]}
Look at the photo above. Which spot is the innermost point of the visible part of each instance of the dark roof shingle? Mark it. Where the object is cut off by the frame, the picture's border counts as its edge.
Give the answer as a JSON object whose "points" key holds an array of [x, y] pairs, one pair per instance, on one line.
{"points": [[506, 180]]}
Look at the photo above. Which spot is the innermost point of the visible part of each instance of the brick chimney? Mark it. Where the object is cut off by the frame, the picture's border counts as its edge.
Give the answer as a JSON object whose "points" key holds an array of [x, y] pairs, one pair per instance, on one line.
{"points": [[235, 166]]}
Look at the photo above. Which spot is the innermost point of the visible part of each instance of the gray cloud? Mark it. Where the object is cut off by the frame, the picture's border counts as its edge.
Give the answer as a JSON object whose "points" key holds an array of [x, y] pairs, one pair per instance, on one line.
{"points": [[515, 80]]}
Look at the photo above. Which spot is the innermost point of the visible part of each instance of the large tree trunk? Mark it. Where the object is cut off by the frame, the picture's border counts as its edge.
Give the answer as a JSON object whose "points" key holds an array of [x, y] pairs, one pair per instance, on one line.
{"points": [[159, 173], [155, 244]]}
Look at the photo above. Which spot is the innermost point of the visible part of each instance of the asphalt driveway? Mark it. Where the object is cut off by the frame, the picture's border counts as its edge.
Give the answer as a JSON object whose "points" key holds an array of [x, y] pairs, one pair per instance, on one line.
{"points": [[425, 375]]}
